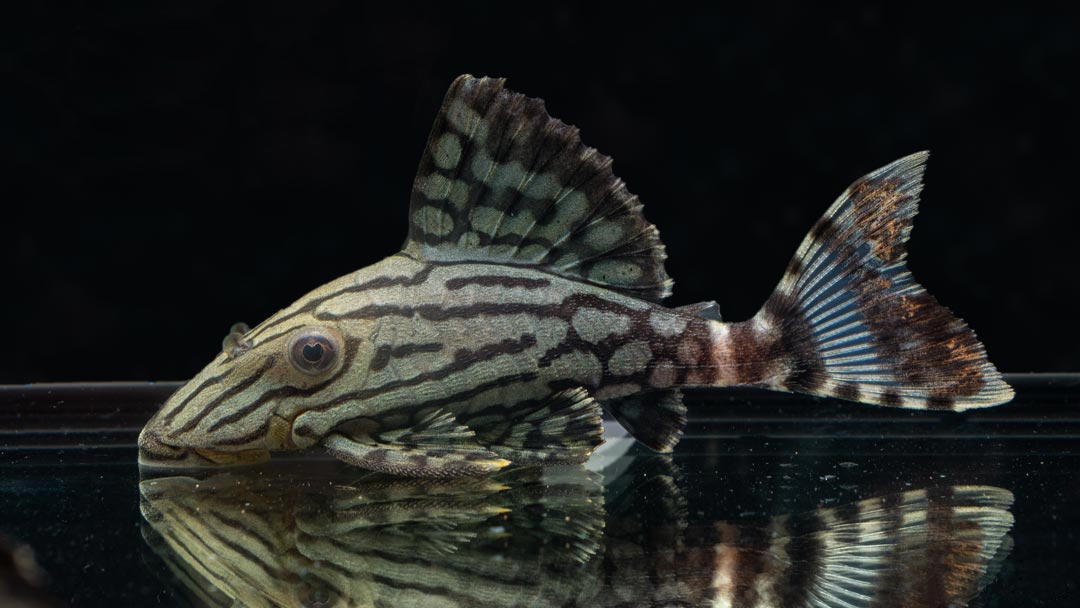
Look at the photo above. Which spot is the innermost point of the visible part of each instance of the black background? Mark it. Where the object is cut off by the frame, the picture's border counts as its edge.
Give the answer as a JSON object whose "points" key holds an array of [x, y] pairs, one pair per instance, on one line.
{"points": [[175, 169]]}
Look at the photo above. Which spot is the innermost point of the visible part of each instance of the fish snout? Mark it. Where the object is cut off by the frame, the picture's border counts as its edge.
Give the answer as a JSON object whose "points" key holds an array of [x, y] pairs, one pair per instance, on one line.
{"points": [[154, 451]]}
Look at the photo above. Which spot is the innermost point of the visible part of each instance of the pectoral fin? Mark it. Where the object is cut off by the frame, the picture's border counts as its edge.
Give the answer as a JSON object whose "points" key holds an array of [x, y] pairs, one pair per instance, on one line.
{"points": [[414, 461], [436, 446]]}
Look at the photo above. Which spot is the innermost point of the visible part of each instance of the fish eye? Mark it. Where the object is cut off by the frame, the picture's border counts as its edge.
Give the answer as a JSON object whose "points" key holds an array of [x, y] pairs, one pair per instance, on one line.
{"points": [[313, 350]]}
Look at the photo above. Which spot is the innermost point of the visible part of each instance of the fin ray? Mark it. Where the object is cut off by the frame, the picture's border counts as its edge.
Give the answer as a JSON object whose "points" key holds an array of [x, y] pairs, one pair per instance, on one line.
{"points": [[435, 444], [931, 547], [502, 181], [564, 428], [853, 323], [413, 461], [654, 418]]}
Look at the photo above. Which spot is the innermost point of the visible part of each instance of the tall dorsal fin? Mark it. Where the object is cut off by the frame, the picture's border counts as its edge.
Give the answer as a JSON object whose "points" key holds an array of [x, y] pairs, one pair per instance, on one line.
{"points": [[501, 181]]}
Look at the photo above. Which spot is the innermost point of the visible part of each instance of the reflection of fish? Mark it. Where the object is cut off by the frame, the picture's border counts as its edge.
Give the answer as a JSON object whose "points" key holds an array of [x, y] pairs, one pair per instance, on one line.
{"points": [[527, 294], [933, 547], [267, 538], [545, 537]]}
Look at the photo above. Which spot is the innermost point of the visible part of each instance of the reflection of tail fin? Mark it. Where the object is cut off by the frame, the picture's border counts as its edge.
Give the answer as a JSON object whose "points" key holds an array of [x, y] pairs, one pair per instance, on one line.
{"points": [[850, 321], [934, 547]]}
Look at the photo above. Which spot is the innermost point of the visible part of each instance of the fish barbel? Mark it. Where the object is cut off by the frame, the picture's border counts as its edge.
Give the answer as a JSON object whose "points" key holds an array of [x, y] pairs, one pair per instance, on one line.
{"points": [[526, 300]]}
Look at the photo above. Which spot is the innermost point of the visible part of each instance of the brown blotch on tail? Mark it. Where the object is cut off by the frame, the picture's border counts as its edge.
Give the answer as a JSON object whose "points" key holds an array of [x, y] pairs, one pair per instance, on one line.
{"points": [[849, 321], [932, 349], [849, 392], [880, 214]]}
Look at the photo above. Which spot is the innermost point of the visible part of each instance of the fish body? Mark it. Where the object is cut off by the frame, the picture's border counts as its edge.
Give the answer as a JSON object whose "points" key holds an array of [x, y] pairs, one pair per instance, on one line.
{"points": [[527, 299], [480, 342]]}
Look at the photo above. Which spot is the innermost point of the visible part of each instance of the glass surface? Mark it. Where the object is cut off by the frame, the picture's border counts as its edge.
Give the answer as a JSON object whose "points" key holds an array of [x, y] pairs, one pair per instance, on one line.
{"points": [[630, 528]]}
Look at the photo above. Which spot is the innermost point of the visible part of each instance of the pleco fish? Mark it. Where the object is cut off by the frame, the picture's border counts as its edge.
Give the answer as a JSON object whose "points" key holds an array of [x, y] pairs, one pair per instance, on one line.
{"points": [[526, 300]]}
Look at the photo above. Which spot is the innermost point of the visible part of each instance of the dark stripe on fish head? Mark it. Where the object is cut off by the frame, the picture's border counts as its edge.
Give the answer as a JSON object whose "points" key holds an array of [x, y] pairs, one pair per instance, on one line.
{"points": [[242, 405]]}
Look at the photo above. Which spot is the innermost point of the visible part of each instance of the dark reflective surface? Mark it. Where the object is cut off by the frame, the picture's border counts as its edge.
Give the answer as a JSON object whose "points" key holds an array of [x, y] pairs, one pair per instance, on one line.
{"points": [[313, 536], [634, 530]]}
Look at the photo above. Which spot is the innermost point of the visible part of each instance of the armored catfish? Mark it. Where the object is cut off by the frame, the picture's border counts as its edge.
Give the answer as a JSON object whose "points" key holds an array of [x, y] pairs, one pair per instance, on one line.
{"points": [[526, 300]]}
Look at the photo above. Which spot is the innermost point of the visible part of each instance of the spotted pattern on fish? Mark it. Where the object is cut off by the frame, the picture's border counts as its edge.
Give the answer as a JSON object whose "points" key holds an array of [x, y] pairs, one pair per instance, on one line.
{"points": [[530, 273], [505, 182]]}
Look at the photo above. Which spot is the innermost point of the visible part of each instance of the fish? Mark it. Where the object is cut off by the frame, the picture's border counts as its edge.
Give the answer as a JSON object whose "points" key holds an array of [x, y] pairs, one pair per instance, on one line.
{"points": [[526, 301], [558, 536]]}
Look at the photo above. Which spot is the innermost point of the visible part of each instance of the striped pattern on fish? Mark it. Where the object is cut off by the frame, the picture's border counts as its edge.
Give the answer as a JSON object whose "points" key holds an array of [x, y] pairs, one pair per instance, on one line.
{"points": [[548, 539], [932, 547], [527, 298]]}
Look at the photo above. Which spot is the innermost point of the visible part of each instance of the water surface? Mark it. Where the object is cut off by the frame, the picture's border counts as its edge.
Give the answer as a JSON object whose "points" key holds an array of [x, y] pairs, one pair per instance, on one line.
{"points": [[630, 528]]}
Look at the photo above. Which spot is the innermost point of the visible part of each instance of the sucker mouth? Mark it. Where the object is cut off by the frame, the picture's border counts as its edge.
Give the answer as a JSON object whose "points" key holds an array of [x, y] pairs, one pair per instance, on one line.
{"points": [[155, 453]]}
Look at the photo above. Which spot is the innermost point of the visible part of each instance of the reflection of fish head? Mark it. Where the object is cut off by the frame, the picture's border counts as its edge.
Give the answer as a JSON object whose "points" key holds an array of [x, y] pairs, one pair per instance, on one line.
{"points": [[244, 403], [229, 551], [262, 537]]}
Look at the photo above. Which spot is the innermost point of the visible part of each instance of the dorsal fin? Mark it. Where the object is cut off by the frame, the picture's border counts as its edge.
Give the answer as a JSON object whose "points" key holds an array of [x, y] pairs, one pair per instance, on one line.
{"points": [[501, 181]]}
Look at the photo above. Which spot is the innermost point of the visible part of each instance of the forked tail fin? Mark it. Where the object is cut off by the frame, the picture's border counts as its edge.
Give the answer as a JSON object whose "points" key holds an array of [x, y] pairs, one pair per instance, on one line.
{"points": [[849, 321]]}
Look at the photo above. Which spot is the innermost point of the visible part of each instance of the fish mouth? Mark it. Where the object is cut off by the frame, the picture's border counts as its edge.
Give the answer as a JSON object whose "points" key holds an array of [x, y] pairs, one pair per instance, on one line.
{"points": [[153, 452]]}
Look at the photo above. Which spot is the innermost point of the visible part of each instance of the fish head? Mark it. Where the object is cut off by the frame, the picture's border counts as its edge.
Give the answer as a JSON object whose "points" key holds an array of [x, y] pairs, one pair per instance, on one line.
{"points": [[243, 404]]}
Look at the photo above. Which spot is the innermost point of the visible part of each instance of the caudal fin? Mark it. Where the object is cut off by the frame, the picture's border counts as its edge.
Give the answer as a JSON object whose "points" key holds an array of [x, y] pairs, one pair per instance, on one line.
{"points": [[849, 321]]}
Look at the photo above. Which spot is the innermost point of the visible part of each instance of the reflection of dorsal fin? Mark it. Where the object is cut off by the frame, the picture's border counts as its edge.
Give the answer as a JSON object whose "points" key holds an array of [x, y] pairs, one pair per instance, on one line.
{"points": [[502, 181]]}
